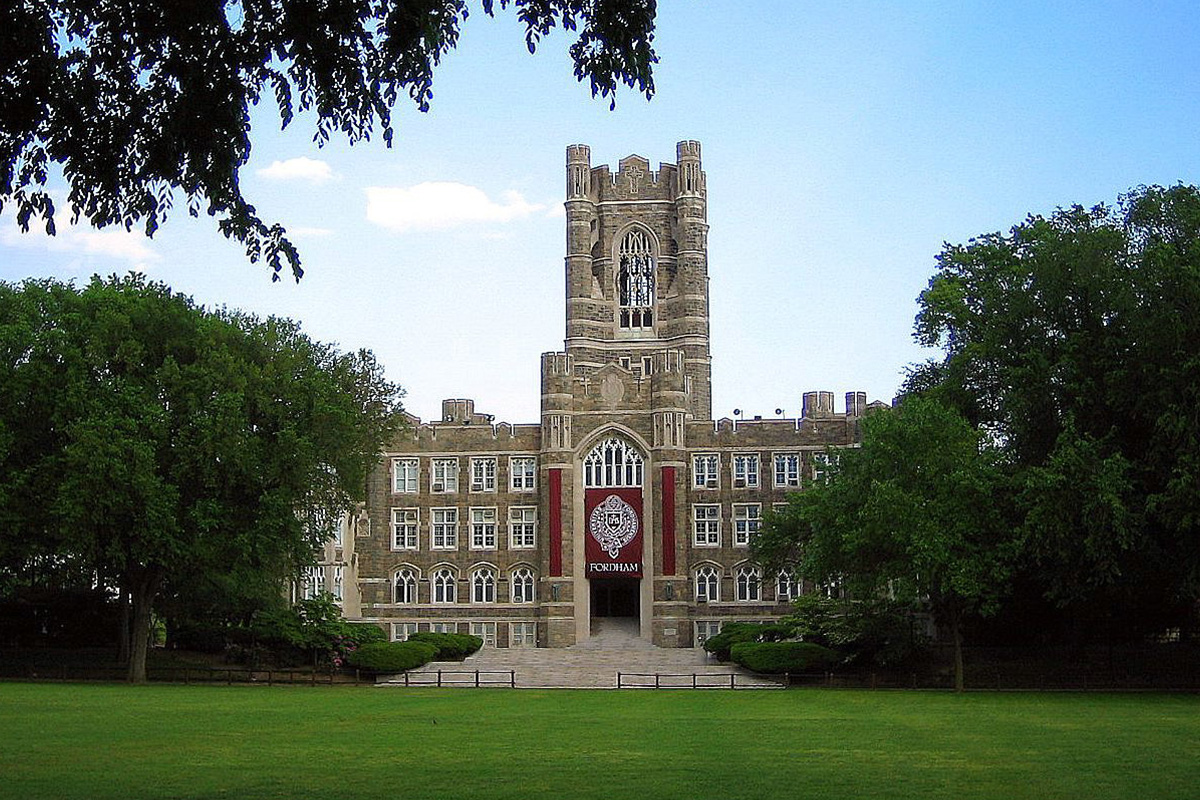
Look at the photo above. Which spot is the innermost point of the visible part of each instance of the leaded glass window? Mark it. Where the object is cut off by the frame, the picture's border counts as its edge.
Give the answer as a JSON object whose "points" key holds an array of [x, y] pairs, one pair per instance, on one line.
{"points": [[613, 463], [635, 280]]}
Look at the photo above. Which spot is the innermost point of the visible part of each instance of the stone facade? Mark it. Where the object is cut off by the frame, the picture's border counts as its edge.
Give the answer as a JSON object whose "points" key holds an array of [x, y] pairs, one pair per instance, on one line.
{"points": [[481, 527]]}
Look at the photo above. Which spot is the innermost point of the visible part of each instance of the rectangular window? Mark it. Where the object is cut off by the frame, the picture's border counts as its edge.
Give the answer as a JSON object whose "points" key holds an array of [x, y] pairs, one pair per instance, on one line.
{"points": [[402, 630], [405, 475], [485, 631], [443, 627], [787, 470], [706, 521], [444, 479], [706, 629], [336, 533], [405, 524], [745, 471], [483, 474], [705, 468], [339, 574], [522, 472], [522, 527], [647, 366], [483, 529], [522, 634], [746, 520], [443, 528]]}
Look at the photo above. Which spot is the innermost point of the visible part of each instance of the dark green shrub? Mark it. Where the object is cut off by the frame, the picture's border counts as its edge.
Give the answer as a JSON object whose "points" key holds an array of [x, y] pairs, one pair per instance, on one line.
{"points": [[391, 656], [734, 632], [869, 633], [450, 646], [778, 657], [361, 633]]}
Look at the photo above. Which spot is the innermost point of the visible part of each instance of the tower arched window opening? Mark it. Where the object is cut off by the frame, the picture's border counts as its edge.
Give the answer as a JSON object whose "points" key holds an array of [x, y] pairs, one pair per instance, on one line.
{"points": [[635, 280]]}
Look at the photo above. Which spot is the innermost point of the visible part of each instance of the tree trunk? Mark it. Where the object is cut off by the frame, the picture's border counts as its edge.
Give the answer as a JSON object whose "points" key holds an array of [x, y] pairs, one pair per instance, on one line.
{"points": [[143, 587], [956, 633], [124, 643]]}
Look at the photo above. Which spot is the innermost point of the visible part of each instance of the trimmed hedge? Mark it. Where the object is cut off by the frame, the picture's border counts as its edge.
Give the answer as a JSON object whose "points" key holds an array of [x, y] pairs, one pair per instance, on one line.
{"points": [[734, 632], [449, 646], [391, 656], [777, 657]]}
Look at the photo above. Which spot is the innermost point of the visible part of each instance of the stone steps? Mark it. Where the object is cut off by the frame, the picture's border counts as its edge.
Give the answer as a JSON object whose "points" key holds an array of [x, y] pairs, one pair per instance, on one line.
{"points": [[592, 664]]}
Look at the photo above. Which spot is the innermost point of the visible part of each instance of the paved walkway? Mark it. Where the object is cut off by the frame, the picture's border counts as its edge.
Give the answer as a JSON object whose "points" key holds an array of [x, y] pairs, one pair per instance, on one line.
{"points": [[592, 664]]}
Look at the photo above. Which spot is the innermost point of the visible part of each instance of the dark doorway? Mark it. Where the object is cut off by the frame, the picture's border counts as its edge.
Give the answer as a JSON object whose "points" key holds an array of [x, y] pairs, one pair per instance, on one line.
{"points": [[615, 597]]}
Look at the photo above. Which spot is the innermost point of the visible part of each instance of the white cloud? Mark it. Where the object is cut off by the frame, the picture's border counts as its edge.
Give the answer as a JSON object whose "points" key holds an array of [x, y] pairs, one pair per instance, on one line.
{"points": [[113, 242], [297, 169], [440, 205]]}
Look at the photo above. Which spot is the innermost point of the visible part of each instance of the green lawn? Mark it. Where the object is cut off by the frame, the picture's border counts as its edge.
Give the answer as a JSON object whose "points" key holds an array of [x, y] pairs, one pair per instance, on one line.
{"points": [[100, 741]]}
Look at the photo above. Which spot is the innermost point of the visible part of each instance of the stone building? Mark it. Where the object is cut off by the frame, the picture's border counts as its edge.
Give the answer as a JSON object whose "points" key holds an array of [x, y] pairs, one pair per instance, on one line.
{"points": [[626, 499]]}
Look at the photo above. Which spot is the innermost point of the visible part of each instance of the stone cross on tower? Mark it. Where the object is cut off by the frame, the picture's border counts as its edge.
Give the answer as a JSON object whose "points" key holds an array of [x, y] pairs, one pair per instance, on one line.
{"points": [[635, 178]]}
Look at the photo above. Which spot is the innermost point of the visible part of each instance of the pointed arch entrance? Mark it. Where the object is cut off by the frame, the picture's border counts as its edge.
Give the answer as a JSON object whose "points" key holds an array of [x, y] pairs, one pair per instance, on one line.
{"points": [[614, 477]]}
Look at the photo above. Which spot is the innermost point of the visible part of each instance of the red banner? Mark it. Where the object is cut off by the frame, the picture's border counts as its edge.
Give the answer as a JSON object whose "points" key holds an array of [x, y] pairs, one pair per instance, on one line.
{"points": [[668, 520], [555, 523], [613, 520]]}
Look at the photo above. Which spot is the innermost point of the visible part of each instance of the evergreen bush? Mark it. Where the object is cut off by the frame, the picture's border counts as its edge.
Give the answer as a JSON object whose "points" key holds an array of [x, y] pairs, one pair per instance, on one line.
{"points": [[734, 632], [778, 657], [450, 646], [391, 656]]}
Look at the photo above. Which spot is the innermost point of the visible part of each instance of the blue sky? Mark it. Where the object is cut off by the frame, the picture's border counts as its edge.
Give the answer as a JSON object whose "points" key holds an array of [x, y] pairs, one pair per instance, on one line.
{"points": [[844, 142]]}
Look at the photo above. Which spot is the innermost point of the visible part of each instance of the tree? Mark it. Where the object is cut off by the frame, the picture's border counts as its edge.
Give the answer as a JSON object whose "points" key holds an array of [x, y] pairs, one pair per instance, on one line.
{"points": [[1073, 341], [149, 438], [913, 513], [136, 101]]}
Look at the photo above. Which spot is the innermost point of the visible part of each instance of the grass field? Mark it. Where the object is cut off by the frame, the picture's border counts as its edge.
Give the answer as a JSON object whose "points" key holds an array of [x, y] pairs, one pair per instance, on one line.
{"points": [[102, 741]]}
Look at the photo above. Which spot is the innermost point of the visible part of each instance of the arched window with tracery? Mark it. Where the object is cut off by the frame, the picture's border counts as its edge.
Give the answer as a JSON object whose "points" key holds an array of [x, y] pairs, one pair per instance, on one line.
{"points": [[483, 585], [406, 586], [613, 463], [708, 584], [445, 586], [749, 584], [635, 280], [522, 585]]}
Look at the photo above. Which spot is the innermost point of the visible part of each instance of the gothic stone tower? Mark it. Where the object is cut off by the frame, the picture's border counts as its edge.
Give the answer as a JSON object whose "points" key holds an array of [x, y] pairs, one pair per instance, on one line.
{"points": [[637, 266], [635, 368]]}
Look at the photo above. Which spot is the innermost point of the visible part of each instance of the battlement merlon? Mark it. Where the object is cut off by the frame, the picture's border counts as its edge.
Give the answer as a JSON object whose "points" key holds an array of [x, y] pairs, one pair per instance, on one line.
{"points": [[634, 180], [461, 411]]}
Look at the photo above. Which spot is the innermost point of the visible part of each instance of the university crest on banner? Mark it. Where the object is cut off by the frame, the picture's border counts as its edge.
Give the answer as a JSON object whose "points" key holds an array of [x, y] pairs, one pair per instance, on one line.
{"points": [[613, 545]]}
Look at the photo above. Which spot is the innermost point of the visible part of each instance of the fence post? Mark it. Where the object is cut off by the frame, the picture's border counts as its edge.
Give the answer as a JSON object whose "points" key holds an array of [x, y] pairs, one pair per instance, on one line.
{"points": [[476, 679], [618, 680], [439, 679], [693, 680], [512, 679], [656, 680]]}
